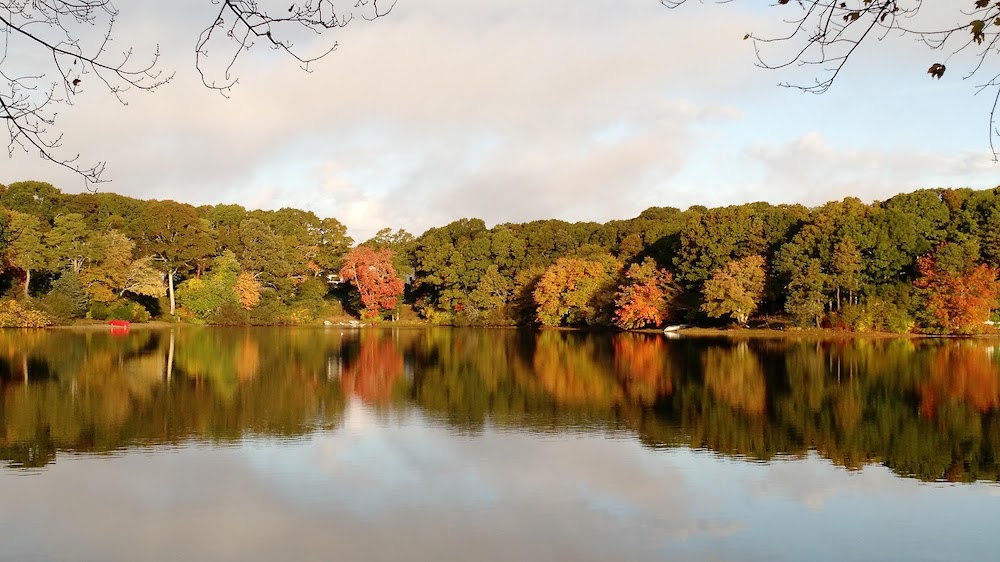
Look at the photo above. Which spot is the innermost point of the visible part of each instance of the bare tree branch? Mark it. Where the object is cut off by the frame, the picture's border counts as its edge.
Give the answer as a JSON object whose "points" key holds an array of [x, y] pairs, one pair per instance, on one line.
{"points": [[57, 30], [245, 22], [826, 34], [55, 39]]}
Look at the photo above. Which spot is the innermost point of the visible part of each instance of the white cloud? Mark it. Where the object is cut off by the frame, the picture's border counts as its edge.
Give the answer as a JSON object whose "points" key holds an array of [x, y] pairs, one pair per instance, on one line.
{"points": [[811, 170], [508, 111], [461, 112]]}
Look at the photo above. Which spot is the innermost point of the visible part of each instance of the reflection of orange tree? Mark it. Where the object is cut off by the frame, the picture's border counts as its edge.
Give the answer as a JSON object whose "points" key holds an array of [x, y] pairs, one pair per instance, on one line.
{"points": [[247, 359], [640, 365], [568, 368], [734, 375], [965, 374], [373, 373]]}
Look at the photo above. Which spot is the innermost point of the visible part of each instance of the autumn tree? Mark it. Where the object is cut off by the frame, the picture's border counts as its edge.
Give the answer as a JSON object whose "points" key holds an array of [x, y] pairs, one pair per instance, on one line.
{"points": [[575, 291], [114, 272], [735, 289], [207, 294], [960, 294], [247, 290], [372, 274], [645, 297]]}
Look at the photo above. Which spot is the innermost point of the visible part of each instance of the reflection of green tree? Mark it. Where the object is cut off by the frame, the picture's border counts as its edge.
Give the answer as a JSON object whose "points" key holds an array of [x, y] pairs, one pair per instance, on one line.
{"points": [[471, 375], [924, 408], [100, 393]]}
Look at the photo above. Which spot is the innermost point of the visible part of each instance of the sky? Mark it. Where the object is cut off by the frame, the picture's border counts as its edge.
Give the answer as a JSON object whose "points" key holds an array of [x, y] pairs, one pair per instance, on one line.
{"points": [[518, 110]]}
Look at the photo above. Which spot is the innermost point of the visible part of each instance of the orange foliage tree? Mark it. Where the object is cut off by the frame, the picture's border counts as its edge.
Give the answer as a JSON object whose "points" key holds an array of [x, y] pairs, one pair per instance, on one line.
{"points": [[372, 274], [576, 291], [959, 301], [644, 299]]}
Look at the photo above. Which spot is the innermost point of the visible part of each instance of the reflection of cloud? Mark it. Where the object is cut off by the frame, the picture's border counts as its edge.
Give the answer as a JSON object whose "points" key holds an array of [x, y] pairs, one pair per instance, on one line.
{"points": [[810, 484], [524, 497]]}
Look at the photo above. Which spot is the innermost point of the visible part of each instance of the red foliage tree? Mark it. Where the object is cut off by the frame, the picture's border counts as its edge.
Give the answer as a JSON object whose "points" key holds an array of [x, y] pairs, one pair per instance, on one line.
{"points": [[372, 273], [645, 296], [959, 301]]}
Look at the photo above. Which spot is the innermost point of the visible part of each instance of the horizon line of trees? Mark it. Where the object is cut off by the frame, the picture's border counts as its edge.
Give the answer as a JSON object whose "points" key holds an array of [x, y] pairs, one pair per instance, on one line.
{"points": [[922, 261]]}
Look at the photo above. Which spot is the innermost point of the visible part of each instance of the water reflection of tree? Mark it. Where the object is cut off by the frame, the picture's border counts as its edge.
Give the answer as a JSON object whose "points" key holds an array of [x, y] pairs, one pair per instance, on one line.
{"points": [[372, 371], [573, 369], [923, 408], [965, 373], [89, 392], [643, 367], [734, 376]]}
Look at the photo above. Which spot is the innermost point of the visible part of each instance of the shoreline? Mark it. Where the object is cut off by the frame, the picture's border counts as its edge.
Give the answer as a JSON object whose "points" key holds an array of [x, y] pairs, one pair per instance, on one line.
{"points": [[692, 332]]}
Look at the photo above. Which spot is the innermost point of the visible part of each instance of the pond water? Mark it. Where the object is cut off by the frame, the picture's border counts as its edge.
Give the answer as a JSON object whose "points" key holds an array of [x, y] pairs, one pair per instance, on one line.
{"points": [[436, 444]]}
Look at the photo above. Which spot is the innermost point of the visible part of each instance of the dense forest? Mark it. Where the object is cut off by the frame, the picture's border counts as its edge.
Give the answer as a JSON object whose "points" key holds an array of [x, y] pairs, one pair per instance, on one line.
{"points": [[925, 261]]}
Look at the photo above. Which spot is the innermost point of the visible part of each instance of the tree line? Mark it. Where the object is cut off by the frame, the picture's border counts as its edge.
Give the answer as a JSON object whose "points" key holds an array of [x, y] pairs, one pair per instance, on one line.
{"points": [[922, 261]]}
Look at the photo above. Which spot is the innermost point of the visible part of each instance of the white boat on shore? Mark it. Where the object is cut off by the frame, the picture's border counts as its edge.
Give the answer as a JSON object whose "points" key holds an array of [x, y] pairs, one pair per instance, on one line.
{"points": [[675, 328]]}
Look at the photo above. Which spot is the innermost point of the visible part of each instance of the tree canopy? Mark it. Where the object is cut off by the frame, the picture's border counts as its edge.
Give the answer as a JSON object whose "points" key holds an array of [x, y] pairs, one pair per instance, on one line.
{"points": [[924, 261]]}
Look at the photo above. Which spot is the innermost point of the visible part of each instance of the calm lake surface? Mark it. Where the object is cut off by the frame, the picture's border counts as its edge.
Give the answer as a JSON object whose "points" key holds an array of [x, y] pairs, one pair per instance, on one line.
{"points": [[436, 444]]}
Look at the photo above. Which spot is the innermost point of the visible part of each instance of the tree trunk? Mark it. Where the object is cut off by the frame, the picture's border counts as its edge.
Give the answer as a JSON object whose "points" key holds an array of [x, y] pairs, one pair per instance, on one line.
{"points": [[170, 289], [27, 281], [838, 299]]}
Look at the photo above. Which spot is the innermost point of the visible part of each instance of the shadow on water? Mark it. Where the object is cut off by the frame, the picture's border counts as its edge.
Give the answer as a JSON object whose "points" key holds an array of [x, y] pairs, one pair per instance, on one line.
{"points": [[926, 409]]}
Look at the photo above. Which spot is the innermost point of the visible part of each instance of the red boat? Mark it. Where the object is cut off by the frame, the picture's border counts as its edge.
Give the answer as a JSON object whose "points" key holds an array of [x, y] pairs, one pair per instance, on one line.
{"points": [[119, 327]]}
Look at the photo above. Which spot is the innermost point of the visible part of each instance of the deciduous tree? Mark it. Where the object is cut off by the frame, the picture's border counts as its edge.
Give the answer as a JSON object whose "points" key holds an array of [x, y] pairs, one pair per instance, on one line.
{"points": [[575, 291], [176, 237], [372, 274], [735, 289], [26, 250], [70, 242], [645, 297], [807, 293], [959, 300]]}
